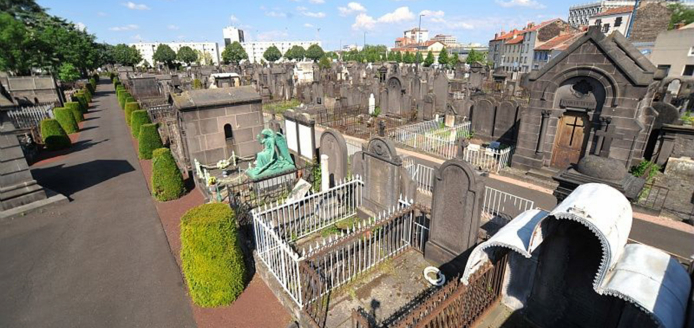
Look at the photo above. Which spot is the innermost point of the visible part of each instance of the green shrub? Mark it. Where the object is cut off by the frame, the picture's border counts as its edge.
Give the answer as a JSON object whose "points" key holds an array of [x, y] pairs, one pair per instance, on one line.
{"points": [[149, 141], [167, 181], [76, 110], [129, 109], [84, 104], [66, 119], [211, 256], [87, 93], [92, 82], [128, 99], [54, 137], [121, 97], [646, 170], [137, 119]]}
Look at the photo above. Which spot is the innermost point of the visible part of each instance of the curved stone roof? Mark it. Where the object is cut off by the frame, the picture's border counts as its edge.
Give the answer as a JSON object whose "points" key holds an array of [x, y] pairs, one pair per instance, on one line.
{"points": [[642, 275]]}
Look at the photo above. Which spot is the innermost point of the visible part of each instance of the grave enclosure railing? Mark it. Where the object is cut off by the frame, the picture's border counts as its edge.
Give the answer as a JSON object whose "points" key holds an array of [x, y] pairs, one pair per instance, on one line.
{"points": [[454, 305], [431, 137], [488, 159], [30, 117]]}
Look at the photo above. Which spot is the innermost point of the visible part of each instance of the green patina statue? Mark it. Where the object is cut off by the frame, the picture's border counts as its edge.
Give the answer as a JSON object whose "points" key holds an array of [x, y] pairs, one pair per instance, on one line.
{"points": [[273, 159]]}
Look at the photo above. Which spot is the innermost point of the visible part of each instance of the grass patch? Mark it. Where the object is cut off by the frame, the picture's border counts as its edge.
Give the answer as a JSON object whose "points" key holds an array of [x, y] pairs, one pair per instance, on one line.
{"points": [[281, 106]]}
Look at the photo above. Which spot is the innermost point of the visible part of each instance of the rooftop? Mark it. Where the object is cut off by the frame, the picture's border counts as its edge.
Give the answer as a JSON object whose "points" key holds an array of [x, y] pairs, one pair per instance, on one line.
{"points": [[194, 99], [615, 11], [560, 42]]}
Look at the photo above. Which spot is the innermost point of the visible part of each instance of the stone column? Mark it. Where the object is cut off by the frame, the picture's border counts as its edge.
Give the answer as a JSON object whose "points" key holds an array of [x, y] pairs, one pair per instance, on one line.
{"points": [[325, 173], [543, 130]]}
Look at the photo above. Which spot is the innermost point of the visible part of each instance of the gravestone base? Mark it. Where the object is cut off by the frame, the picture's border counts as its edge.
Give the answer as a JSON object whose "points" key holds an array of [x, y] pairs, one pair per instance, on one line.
{"points": [[450, 263]]}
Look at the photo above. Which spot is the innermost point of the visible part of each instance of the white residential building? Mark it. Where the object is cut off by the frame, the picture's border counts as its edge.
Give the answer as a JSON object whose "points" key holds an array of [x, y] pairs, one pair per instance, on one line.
{"points": [[147, 49], [255, 50], [580, 15], [232, 34], [417, 35], [615, 19], [448, 40]]}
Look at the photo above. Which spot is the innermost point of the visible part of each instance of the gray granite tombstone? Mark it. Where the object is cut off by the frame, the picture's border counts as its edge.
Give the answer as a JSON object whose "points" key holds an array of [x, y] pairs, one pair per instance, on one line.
{"points": [[333, 144], [456, 210], [483, 118], [505, 122]]}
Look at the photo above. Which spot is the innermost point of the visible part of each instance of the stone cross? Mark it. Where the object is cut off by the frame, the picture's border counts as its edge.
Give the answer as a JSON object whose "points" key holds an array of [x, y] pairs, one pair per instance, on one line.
{"points": [[605, 137]]}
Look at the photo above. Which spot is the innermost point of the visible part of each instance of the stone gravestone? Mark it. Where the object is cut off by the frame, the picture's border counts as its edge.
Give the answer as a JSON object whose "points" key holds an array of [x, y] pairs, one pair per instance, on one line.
{"points": [[505, 123], [372, 104], [455, 214], [19, 192], [483, 118], [333, 144], [384, 177]]}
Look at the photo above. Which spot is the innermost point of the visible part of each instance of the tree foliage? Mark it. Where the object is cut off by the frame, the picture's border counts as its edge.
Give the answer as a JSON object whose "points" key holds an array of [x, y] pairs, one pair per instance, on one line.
{"points": [[324, 62], [68, 73], [680, 14], [272, 54], [430, 59], [234, 53], [314, 52], [408, 58], [418, 58], [475, 56], [453, 60], [32, 39], [125, 55], [165, 55], [297, 53], [443, 57], [187, 55]]}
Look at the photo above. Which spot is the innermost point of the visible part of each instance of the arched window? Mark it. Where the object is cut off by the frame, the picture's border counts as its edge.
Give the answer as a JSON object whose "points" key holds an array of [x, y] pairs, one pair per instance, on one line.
{"points": [[228, 133]]}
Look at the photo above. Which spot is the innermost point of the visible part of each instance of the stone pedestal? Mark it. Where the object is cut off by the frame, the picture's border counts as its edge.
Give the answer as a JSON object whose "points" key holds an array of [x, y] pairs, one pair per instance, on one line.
{"points": [[594, 169], [19, 192]]}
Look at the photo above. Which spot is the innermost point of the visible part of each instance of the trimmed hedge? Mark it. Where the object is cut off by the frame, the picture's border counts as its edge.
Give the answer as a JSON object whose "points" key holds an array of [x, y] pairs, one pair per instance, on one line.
{"points": [[129, 109], [54, 137], [211, 256], [66, 119], [167, 180], [138, 118], [76, 110], [82, 99], [149, 141]]}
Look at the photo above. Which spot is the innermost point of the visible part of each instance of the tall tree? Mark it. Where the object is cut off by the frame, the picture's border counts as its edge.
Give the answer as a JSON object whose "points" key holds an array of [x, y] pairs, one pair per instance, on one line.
{"points": [[680, 14], [187, 55], [165, 55], [443, 57], [314, 52], [125, 55], [297, 53], [475, 56], [408, 58], [418, 58], [324, 62], [398, 57], [68, 73], [15, 41], [234, 53], [453, 60], [430, 59], [272, 54]]}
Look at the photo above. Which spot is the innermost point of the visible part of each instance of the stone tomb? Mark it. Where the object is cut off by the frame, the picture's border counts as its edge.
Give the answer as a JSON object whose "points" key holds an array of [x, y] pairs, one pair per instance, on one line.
{"points": [[483, 118], [385, 179], [333, 144], [455, 215], [506, 122], [218, 121]]}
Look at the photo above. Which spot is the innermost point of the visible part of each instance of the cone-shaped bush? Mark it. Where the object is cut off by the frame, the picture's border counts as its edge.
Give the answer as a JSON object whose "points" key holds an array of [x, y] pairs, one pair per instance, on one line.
{"points": [[149, 141], [66, 120], [80, 98], [76, 110], [121, 97], [167, 181], [54, 137], [87, 93], [129, 109], [211, 255], [138, 118]]}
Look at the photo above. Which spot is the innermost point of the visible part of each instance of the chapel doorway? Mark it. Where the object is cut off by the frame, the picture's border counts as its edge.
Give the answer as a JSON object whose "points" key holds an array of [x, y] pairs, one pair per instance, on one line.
{"points": [[572, 138]]}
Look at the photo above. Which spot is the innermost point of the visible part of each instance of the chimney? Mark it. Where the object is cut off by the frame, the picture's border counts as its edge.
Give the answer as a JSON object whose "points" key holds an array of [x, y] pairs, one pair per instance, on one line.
{"points": [[496, 35]]}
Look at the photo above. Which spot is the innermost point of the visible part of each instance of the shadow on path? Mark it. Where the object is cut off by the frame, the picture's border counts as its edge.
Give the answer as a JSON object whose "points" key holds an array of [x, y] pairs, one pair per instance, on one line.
{"points": [[71, 179]]}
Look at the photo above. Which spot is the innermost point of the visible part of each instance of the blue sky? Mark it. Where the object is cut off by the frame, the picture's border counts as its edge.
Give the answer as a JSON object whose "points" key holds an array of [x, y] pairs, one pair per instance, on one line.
{"points": [[339, 21]]}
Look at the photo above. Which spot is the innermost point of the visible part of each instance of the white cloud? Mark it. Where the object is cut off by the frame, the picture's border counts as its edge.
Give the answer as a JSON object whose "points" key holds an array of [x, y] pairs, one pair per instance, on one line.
{"points": [[233, 19], [520, 3], [308, 25], [102, 14], [461, 26], [276, 14], [135, 6], [80, 26], [432, 13], [314, 15], [366, 22], [352, 7], [128, 27], [318, 2], [399, 15], [301, 8], [172, 27]]}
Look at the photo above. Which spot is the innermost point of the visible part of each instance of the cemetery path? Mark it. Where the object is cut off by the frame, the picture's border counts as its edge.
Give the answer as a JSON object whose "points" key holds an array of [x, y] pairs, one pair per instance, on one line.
{"points": [[101, 260]]}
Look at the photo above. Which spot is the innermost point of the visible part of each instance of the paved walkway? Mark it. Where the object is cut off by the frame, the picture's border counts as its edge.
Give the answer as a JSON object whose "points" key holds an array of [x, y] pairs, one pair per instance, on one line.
{"points": [[103, 259]]}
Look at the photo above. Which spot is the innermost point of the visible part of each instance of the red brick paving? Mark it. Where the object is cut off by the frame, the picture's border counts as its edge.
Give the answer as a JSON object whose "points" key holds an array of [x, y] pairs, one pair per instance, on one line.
{"points": [[256, 307]]}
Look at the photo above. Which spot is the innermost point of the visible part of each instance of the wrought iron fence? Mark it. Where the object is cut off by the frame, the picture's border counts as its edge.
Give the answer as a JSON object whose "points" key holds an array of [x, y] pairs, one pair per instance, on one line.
{"points": [[488, 159], [431, 137], [352, 147], [309, 214], [423, 175], [501, 207], [452, 306], [30, 117]]}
